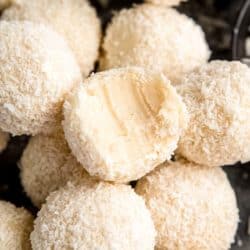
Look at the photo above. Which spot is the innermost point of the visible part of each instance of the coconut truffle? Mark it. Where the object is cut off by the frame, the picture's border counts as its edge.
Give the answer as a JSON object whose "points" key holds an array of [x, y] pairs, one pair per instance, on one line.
{"points": [[4, 138], [168, 3], [37, 70], [134, 124], [46, 165], [217, 97], [139, 36], [16, 225], [75, 20], [193, 207], [103, 216]]}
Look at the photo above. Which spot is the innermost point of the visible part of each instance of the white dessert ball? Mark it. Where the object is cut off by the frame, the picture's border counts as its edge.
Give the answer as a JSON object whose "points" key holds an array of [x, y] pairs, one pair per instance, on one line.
{"points": [[103, 216], [37, 70], [193, 207], [168, 3], [4, 138], [47, 165], [158, 38], [16, 225], [75, 20], [122, 123], [217, 97]]}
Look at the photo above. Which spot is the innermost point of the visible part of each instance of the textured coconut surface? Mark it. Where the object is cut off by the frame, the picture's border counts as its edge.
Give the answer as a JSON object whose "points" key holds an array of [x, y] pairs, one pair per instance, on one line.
{"points": [[217, 18]]}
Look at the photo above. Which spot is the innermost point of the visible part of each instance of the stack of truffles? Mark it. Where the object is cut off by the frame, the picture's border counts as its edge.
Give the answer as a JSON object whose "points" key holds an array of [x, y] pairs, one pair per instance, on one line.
{"points": [[156, 112]]}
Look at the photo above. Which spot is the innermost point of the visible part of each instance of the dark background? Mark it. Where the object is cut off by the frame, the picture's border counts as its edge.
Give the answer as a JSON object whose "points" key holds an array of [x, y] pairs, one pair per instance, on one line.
{"points": [[217, 18]]}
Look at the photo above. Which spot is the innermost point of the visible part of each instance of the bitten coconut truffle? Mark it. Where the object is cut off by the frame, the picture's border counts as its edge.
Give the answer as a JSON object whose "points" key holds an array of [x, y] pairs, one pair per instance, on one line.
{"points": [[37, 70], [16, 225], [75, 20], [217, 97], [192, 206], [159, 38], [104, 216], [166, 2], [4, 138], [133, 125], [46, 165]]}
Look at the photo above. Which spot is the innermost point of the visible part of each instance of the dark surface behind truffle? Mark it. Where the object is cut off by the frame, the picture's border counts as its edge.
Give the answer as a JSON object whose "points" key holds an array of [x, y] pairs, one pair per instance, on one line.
{"points": [[217, 18]]}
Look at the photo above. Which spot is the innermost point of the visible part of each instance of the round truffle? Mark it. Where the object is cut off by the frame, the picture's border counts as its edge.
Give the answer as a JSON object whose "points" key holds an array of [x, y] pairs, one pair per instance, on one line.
{"points": [[4, 138], [46, 165], [192, 206], [104, 216], [168, 3], [133, 125], [217, 97], [16, 225], [158, 38], [75, 20], [37, 70]]}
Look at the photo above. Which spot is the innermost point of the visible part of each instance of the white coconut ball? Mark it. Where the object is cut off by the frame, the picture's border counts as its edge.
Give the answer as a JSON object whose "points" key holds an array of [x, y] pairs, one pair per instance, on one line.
{"points": [[122, 123], [168, 3], [37, 70], [103, 216], [46, 165], [192, 206], [4, 138], [158, 38], [217, 96], [16, 225], [75, 20]]}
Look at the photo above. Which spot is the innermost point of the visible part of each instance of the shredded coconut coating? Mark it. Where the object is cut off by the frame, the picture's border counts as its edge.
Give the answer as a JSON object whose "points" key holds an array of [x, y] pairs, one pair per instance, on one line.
{"points": [[37, 70], [75, 20], [217, 97], [168, 3], [103, 216], [4, 138], [134, 123], [158, 38], [16, 225], [46, 165], [193, 207]]}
